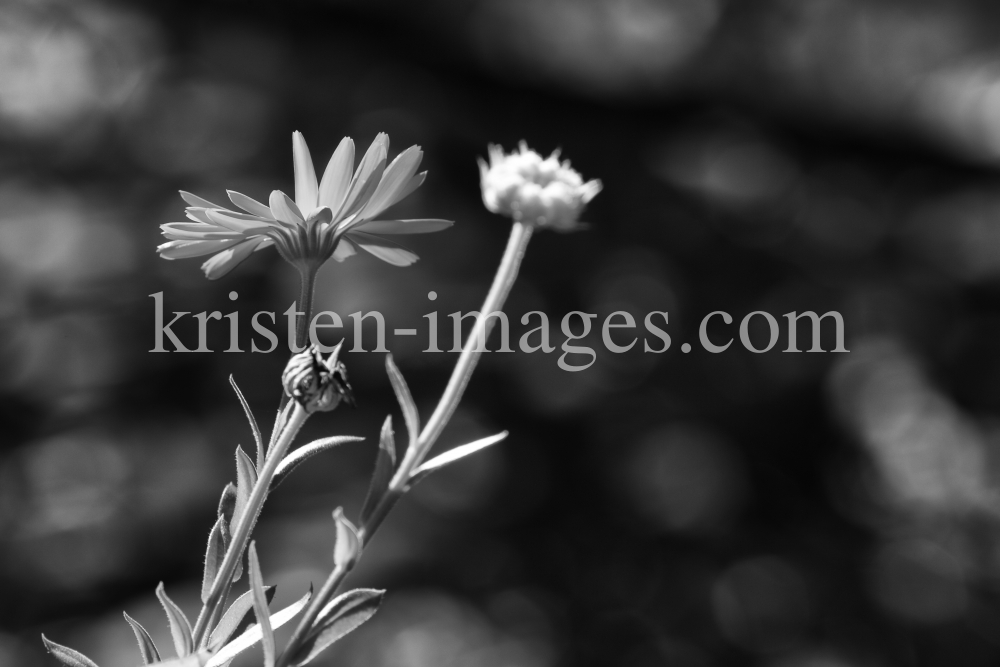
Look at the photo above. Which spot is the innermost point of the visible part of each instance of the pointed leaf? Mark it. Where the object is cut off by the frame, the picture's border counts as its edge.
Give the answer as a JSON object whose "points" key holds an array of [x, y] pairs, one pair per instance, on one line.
{"points": [[341, 616], [453, 455], [66, 655], [227, 502], [147, 649], [234, 616], [405, 398], [214, 553], [227, 510], [180, 627], [199, 659], [260, 606], [291, 461], [348, 546], [246, 478], [385, 465], [253, 423], [254, 634]]}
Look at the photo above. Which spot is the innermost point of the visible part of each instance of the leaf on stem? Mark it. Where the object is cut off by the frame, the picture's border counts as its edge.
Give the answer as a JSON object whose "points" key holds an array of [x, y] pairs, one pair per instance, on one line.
{"points": [[218, 542], [246, 478], [254, 634], [227, 502], [234, 616], [253, 423], [305, 452], [348, 546], [198, 659], [146, 646], [66, 655], [406, 404], [260, 607], [339, 617], [453, 455], [385, 465], [180, 627]]}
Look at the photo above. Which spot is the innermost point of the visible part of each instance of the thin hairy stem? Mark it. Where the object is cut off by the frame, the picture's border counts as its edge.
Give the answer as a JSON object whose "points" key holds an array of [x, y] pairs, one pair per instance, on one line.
{"points": [[502, 283], [245, 525], [517, 244], [307, 286]]}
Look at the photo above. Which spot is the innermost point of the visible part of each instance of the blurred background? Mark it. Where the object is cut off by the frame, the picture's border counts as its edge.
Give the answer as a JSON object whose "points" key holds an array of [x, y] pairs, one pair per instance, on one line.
{"points": [[781, 510]]}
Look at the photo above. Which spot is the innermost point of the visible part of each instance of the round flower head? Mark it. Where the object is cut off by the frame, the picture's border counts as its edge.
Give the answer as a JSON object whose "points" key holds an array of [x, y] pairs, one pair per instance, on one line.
{"points": [[329, 218], [533, 190]]}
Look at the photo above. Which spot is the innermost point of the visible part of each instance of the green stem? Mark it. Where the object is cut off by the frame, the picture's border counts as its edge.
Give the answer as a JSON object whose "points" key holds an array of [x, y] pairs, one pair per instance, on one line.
{"points": [[307, 286], [504, 280], [506, 275], [247, 520]]}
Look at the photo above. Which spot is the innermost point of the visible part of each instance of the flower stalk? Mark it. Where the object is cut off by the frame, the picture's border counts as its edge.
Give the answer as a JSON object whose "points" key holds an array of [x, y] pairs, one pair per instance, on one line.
{"points": [[307, 287], [248, 519], [503, 281]]}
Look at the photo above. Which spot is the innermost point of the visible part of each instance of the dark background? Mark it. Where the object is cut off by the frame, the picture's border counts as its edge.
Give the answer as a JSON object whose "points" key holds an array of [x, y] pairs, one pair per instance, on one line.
{"points": [[783, 510]]}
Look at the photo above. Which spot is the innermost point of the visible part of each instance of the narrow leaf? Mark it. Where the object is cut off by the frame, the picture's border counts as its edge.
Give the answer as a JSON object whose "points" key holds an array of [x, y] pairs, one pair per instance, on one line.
{"points": [[199, 659], [453, 455], [348, 545], [227, 502], [146, 646], [66, 655], [254, 634], [253, 423], [385, 465], [305, 452], [260, 607], [234, 616], [216, 551], [246, 478], [341, 616], [406, 404], [180, 627]]}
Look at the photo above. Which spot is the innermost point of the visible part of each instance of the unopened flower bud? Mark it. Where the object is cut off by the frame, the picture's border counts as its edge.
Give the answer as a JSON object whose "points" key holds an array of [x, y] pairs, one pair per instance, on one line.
{"points": [[530, 189], [318, 385]]}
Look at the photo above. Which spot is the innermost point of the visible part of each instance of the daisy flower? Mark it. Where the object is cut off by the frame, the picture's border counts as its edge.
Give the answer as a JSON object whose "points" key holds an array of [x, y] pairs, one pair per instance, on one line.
{"points": [[332, 217], [540, 192]]}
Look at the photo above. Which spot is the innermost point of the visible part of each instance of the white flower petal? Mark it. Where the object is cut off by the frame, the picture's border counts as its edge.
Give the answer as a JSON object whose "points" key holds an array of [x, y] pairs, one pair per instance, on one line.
{"points": [[227, 260], [367, 177], [195, 200], [196, 231], [250, 205], [186, 249], [237, 222], [337, 177], [306, 187], [344, 250], [284, 209], [384, 249], [417, 226], [394, 180]]}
